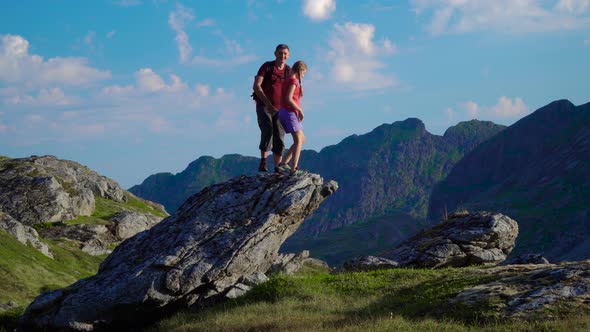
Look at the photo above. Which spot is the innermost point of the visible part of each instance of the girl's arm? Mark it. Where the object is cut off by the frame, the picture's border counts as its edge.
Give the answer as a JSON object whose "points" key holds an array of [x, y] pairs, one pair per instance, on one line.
{"points": [[292, 103]]}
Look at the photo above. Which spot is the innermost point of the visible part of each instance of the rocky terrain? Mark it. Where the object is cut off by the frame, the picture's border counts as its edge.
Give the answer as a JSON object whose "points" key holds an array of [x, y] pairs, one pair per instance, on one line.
{"points": [[219, 238], [533, 290], [45, 192], [536, 171], [386, 177]]}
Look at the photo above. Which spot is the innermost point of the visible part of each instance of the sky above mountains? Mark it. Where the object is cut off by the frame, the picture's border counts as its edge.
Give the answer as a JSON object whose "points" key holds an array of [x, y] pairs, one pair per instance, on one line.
{"points": [[134, 87]]}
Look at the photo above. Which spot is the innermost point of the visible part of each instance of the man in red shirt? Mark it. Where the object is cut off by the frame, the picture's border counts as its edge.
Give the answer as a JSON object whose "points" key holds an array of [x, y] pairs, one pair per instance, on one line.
{"points": [[268, 84]]}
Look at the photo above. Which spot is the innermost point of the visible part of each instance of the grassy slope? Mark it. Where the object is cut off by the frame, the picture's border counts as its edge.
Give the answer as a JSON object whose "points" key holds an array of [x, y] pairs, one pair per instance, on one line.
{"points": [[25, 272], [387, 300]]}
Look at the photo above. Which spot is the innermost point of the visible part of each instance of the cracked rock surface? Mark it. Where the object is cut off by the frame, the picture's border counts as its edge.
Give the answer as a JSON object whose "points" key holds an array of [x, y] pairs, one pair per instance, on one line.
{"points": [[37, 189], [529, 290], [216, 239]]}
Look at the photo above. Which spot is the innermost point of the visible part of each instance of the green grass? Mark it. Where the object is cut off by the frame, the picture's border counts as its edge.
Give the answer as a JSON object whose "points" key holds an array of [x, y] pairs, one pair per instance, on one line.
{"points": [[106, 208], [25, 272], [386, 300]]}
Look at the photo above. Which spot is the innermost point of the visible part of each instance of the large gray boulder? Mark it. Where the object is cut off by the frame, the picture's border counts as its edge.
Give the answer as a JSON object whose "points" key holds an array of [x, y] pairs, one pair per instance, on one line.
{"points": [[192, 258], [23, 233], [463, 239], [46, 189]]}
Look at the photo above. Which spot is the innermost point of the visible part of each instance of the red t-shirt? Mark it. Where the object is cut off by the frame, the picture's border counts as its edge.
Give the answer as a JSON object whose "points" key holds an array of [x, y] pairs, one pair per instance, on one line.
{"points": [[273, 94], [296, 94]]}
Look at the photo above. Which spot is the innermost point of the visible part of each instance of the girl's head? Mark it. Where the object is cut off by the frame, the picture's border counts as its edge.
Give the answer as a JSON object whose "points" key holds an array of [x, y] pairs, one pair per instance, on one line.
{"points": [[299, 69]]}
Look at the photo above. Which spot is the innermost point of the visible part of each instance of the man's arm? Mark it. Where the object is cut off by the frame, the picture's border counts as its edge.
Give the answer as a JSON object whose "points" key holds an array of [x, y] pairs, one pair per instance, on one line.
{"points": [[260, 93]]}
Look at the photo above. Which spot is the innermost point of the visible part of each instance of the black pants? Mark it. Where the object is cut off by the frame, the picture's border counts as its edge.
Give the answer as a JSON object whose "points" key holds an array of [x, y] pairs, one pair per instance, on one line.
{"points": [[271, 132]]}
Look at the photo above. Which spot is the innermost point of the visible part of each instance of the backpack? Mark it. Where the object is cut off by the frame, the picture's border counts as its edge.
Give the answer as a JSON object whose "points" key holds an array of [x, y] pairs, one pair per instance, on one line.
{"points": [[267, 82]]}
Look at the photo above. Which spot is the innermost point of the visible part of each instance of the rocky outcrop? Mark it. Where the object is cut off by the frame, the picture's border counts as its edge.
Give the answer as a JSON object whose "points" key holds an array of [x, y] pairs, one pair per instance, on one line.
{"points": [[366, 263], [196, 256], [526, 259], [24, 234], [46, 189], [128, 223], [291, 263], [534, 290], [463, 239], [100, 239]]}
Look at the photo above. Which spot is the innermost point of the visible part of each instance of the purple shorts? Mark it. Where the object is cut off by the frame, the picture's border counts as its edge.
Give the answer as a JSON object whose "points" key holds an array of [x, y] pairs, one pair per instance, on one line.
{"points": [[289, 121]]}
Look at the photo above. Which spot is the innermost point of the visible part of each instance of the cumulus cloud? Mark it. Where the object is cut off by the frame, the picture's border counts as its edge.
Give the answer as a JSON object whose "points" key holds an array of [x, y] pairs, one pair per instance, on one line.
{"points": [[354, 57], [504, 108], [111, 33], [17, 66], [178, 20], [462, 16], [318, 10], [147, 81], [577, 7], [206, 23]]}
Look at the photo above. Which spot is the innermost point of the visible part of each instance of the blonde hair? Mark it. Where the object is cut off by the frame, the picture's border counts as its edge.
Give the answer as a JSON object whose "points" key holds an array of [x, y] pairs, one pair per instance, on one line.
{"points": [[299, 67]]}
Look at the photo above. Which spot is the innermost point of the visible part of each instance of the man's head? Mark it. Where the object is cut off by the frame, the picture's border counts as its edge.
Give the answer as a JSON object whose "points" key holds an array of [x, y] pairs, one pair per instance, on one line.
{"points": [[282, 53]]}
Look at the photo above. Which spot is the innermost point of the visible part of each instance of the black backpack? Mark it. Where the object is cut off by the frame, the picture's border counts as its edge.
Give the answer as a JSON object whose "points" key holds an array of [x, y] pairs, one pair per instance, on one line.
{"points": [[268, 79]]}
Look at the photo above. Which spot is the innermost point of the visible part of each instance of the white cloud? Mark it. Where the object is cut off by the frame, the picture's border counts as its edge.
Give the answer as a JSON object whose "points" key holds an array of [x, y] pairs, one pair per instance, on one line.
{"points": [[577, 7], [450, 114], [206, 23], [354, 57], [17, 66], [504, 108], [111, 33], [472, 109], [147, 81], [88, 39], [461, 16], [318, 10], [45, 97], [202, 90], [178, 19]]}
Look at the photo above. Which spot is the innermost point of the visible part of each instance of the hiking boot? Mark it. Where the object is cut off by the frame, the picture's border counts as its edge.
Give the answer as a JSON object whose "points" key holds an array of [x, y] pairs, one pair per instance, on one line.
{"points": [[284, 167], [297, 172], [263, 167]]}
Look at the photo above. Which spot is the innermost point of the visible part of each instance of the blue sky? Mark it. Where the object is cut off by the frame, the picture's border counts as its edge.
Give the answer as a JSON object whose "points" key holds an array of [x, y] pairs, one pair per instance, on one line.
{"points": [[134, 87]]}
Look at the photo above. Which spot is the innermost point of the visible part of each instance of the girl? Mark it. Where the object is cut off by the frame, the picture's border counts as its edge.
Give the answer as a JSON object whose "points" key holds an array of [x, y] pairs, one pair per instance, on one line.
{"points": [[291, 116]]}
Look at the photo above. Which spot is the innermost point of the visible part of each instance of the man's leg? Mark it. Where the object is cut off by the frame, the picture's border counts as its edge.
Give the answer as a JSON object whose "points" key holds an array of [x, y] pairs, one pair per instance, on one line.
{"points": [[278, 136], [266, 135]]}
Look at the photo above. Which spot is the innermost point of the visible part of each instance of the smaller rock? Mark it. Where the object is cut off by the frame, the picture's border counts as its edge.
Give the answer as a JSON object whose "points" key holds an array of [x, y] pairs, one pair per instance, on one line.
{"points": [[288, 263], [23, 233], [526, 259], [128, 223], [254, 279], [367, 263], [237, 290]]}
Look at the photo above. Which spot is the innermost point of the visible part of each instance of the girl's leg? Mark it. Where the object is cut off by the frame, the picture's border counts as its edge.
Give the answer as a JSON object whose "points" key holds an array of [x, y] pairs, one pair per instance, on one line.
{"points": [[298, 140], [289, 155]]}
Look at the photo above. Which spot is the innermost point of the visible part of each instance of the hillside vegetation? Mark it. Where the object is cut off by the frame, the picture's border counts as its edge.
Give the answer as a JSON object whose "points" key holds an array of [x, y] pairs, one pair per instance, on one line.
{"points": [[386, 300], [25, 272]]}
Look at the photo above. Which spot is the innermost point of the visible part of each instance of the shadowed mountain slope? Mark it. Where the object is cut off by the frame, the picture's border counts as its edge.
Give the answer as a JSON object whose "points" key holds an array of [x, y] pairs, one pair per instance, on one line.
{"points": [[537, 171]]}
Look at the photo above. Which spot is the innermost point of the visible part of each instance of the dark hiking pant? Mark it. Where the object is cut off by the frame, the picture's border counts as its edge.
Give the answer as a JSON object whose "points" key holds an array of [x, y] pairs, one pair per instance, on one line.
{"points": [[271, 131]]}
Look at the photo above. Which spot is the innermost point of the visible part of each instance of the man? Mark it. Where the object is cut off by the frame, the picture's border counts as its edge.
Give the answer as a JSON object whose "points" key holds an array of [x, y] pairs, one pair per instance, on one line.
{"points": [[268, 84]]}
